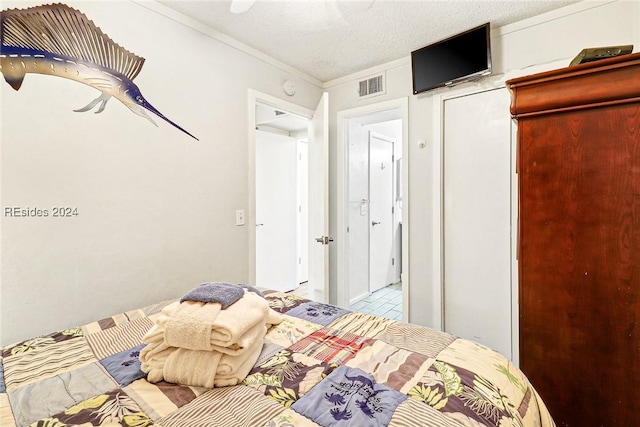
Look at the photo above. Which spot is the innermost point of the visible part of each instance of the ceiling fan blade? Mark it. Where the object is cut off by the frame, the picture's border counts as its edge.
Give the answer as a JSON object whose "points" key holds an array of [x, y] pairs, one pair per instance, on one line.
{"points": [[241, 6]]}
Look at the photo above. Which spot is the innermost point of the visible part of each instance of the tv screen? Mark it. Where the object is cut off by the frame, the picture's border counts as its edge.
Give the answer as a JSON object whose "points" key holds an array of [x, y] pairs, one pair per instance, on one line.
{"points": [[456, 59]]}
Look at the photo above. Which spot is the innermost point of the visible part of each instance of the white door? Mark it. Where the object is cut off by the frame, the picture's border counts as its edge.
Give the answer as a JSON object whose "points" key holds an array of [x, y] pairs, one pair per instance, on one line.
{"points": [[477, 218], [303, 212], [318, 159], [381, 176], [276, 211]]}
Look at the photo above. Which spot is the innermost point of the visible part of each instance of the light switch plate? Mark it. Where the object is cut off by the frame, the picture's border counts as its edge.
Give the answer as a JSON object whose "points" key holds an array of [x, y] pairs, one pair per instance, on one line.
{"points": [[240, 217]]}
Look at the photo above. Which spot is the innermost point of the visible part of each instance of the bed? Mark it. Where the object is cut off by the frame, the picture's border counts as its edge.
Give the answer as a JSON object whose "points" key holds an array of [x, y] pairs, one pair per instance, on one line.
{"points": [[320, 366]]}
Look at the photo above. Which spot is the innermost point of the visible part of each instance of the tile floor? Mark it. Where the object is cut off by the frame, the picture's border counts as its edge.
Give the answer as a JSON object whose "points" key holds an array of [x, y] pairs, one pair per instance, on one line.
{"points": [[386, 302]]}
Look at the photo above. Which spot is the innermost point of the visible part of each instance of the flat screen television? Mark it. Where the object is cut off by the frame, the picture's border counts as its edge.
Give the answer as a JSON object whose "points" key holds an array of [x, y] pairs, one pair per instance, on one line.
{"points": [[460, 58]]}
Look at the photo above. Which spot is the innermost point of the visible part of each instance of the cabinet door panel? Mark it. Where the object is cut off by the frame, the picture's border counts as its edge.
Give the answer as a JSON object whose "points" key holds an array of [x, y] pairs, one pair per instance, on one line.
{"points": [[580, 263]]}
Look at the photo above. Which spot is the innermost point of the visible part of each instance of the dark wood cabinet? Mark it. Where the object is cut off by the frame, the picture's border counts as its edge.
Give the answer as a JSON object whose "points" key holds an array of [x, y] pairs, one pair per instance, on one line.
{"points": [[579, 239]]}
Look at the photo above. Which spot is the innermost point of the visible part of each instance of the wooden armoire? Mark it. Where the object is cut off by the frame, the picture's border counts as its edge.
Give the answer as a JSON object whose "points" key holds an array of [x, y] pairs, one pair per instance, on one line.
{"points": [[578, 165]]}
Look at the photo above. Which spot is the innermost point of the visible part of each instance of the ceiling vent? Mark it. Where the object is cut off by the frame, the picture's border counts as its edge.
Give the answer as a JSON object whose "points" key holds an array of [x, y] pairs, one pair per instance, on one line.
{"points": [[371, 86]]}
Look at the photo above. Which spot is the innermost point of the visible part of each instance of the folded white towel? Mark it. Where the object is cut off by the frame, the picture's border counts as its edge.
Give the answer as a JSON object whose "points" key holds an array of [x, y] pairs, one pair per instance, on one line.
{"points": [[273, 318], [154, 374], [199, 344], [155, 345], [155, 335], [199, 367], [154, 367], [235, 370], [192, 367], [153, 351], [233, 322], [169, 309], [230, 364], [257, 333], [205, 326], [191, 324]]}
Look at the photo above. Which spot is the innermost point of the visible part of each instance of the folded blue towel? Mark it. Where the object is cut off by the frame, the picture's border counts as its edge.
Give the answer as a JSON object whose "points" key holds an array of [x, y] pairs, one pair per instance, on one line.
{"points": [[220, 292]]}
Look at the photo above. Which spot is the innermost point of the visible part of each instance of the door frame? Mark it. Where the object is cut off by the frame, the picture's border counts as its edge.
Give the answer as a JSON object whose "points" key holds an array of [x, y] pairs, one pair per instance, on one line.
{"points": [[255, 97], [342, 202]]}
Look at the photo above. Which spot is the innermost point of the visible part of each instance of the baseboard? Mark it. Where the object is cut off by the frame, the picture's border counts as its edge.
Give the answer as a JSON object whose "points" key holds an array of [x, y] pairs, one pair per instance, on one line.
{"points": [[359, 298]]}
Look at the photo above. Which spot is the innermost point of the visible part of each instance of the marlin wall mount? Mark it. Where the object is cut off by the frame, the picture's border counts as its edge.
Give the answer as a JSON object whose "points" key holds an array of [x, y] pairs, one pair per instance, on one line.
{"points": [[58, 40]]}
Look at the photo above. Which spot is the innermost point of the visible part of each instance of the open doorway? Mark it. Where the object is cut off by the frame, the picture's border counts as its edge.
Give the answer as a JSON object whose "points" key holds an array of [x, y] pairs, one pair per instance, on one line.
{"points": [[372, 273], [281, 164], [277, 123]]}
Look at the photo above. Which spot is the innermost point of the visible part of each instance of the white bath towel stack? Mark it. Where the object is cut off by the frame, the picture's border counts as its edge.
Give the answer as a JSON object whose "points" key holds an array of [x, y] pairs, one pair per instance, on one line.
{"points": [[200, 344]]}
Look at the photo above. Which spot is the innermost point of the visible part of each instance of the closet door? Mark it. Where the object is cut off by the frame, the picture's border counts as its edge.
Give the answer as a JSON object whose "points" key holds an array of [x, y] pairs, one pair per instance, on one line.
{"points": [[478, 170]]}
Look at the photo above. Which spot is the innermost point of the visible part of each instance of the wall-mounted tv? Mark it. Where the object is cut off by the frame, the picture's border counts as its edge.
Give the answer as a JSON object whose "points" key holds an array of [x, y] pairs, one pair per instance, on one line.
{"points": [[460, 58]]}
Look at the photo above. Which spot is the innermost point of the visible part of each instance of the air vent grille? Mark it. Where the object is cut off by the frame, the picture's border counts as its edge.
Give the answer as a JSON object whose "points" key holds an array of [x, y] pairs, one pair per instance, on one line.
{"points": [[371, 86]]}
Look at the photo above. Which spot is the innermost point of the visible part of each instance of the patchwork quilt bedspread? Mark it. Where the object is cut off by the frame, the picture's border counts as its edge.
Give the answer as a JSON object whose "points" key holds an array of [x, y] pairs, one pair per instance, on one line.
{"points": [[321, 366]]}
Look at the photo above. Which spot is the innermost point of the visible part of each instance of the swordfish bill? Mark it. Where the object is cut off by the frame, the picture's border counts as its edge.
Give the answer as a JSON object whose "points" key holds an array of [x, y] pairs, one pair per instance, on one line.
{"points": [[57, 40]]}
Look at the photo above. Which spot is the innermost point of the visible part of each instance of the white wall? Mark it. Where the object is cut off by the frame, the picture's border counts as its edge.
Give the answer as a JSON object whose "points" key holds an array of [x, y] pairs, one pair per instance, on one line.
{"points": [[541, 43], [156, 209]]}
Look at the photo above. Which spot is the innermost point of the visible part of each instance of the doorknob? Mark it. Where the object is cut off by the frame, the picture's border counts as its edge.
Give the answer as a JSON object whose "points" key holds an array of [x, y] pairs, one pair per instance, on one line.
{"points": [[258, 225], [374, 223], [324, 240]]}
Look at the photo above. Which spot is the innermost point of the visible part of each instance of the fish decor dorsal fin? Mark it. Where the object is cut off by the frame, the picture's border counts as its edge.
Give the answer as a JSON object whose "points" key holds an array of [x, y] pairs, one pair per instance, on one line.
{"points": [[61, 30]]}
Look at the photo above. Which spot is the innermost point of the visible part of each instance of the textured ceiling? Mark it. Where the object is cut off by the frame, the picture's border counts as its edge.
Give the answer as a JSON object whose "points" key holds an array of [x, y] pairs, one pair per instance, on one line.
{"points": [[327, 39]]}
